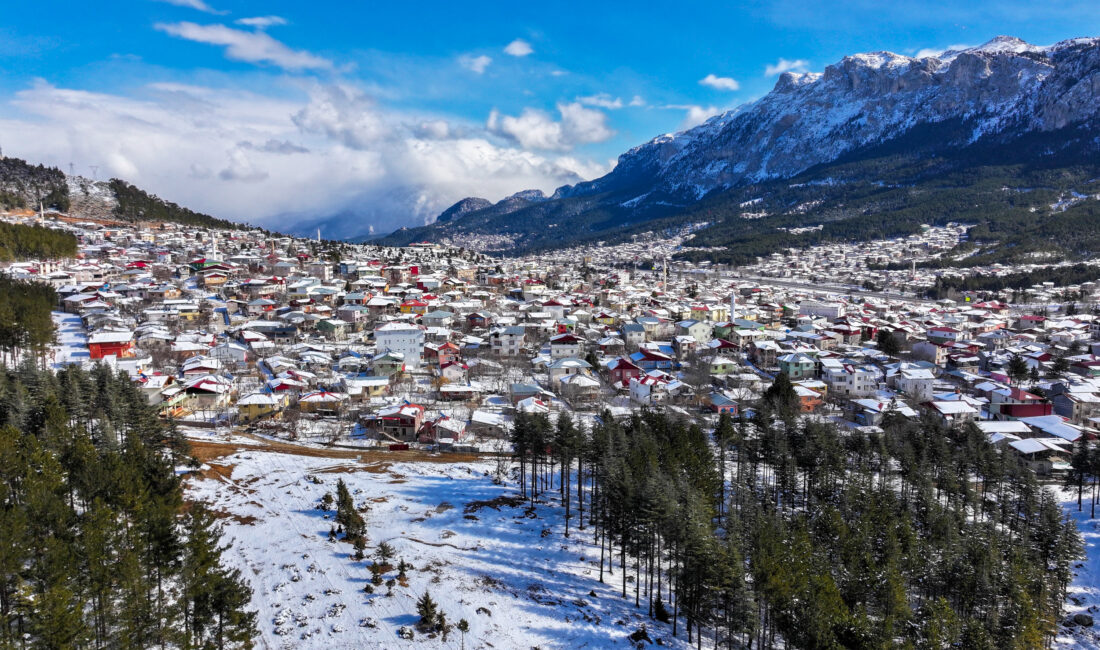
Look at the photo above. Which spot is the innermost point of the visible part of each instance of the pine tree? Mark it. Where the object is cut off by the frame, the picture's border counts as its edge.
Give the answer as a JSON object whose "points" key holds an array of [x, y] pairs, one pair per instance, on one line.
{"points": [[1080, 465], [1017, 368], [428, 611], [463, 627]]}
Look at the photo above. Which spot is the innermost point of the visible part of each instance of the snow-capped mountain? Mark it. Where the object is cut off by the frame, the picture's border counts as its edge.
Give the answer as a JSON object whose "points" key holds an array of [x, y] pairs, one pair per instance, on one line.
{"points": [[1001, 89], [989, 96]]}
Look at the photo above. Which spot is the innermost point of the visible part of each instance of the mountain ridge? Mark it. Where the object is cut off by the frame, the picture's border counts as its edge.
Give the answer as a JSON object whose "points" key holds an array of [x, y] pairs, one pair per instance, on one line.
{"points": [[980, 98]]}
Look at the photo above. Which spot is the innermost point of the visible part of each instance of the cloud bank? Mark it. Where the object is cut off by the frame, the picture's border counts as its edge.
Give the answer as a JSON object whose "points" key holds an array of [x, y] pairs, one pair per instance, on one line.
{"points": [[328, 149]]}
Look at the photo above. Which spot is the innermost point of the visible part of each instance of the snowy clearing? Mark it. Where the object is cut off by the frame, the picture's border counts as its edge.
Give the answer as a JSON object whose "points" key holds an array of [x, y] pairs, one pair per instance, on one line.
{"points": [[1084, 592], [517, 585]]}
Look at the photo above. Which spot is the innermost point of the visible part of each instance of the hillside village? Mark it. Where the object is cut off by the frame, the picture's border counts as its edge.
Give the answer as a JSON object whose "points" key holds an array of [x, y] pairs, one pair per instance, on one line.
{"points": [[436, 347]]}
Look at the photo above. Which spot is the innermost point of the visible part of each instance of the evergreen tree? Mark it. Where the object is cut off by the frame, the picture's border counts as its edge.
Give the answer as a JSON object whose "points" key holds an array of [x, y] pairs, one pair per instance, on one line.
{"points": [[427, 610]]}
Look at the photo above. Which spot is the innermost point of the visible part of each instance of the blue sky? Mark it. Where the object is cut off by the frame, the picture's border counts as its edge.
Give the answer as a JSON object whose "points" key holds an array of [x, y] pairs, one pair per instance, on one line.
{"points": [[390, 109]]}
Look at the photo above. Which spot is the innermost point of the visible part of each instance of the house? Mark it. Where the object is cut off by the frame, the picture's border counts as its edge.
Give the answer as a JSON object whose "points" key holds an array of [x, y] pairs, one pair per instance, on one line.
{"points": [[322, 401], [634, 334], [701, 331], [849, 380], [658, 387], [333, 328], [1012, 403], [1079, 406], [387, 364], [620, 371], [507, 341], [400, 422], [258, 406], [951, 412], [797, 365], [489, 424], [943, 335], [1044, 456], [1053, 426], [649, 359], [442, 430], [720, 365], [611, 345], [518, 392], [580, 388], [917, 383], [828, 310], [764, 353], [208, 392], [809, 400], [566, 345], [561, 368], [359, 389], [454, 372], [438, 318], [402, 338], [153, 386], [871, 412], [479, 320], [931, 352], [104, 344], [229, 352], [719, 402]]}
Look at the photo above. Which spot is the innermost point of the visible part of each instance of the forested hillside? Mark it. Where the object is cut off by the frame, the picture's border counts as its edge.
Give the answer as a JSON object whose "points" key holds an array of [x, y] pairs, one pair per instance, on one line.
{"points": [[135, 204], [23, 185], [19, 242], [97, 548], [921, 537]]}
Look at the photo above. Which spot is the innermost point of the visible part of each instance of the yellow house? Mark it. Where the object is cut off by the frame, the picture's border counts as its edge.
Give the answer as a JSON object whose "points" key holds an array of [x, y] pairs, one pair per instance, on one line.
{"points": [[260, 405], [214, 279], [189, 311], [711, 313]]}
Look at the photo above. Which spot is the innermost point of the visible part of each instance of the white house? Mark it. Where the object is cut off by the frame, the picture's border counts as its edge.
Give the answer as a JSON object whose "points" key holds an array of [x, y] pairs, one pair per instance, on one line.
{"points": [[403, 338]]}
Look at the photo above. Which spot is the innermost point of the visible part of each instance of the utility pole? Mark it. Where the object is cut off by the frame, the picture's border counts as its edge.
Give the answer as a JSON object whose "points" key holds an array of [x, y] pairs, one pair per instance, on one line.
{"points": [[95, 172]]}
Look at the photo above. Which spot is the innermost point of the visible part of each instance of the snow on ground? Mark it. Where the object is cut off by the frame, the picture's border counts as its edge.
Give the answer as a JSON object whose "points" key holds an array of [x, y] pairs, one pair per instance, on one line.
{"points": [[494, 567], [72, 341], [1084, 592]]}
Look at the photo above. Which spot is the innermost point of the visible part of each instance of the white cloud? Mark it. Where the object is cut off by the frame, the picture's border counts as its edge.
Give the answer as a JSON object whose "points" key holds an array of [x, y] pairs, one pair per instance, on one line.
{"points": [[433, 129], [933, 51], [344, 115], [785, 65], [252, 47], [535, 129], [518, 47], [694, 114], [280, 161], [476, 64], [261, 22], [637, 101], [719, 83], [602, 100], [198, 5]]}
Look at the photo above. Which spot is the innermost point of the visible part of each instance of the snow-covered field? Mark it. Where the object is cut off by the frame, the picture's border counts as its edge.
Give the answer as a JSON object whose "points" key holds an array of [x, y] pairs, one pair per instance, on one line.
{"points": [[1084, 592], [516, 584]]}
